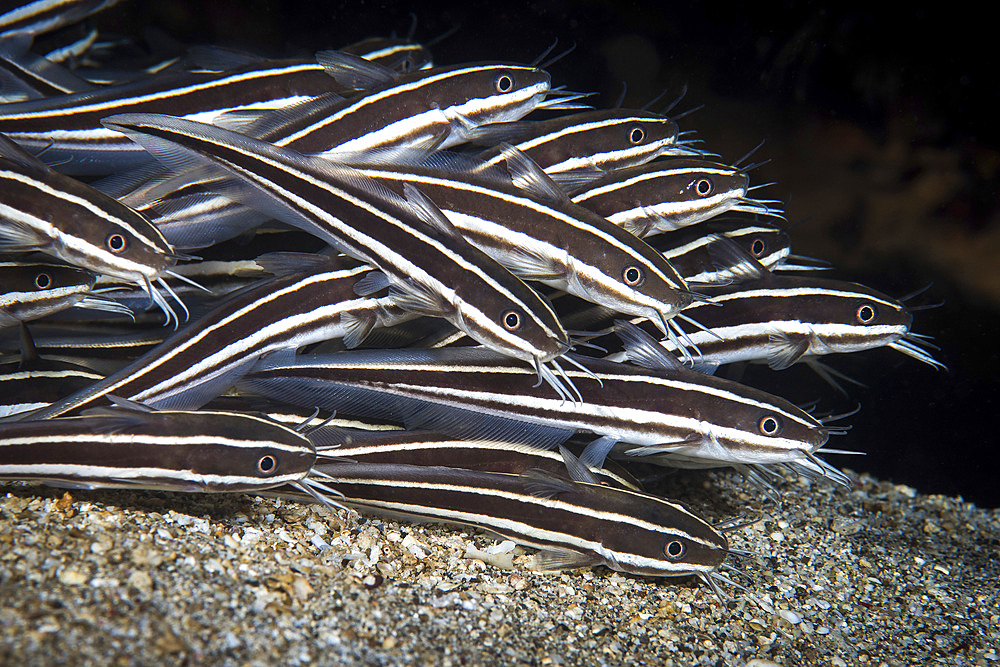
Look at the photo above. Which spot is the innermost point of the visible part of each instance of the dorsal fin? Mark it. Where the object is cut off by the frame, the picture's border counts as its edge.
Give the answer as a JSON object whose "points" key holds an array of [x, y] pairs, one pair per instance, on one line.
{"points": [[578, 471], [354, 72], [528, 176], [544, 484], [427, 211], [371, 283], [12, 151], [727, 255], [643, 350]]}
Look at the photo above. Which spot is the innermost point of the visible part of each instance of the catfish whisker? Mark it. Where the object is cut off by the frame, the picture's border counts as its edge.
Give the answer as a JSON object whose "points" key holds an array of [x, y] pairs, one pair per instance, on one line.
{"points": [[586, 370], [187, 280], [171, 292], [569, 381]]}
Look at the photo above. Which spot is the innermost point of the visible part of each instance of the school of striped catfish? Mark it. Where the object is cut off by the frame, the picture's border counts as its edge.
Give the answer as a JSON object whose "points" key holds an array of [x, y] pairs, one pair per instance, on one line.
{"points": [[444, 292]]}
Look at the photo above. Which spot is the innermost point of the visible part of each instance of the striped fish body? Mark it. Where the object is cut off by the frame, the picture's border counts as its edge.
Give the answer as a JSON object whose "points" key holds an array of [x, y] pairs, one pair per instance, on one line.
{"points": [[206, 357], [41, 209], [27, 388], [400, 55], [104, 347], [174, 451], [431, 268], [784, 319], [676, 417], [69, 128], [29, 290], [68, 45], [41, 16], [24, 75], [664, 195], [599, 140], [549, 240], [699, 255], [574, 524], [426, 448], [435, 106], [431, 107]]}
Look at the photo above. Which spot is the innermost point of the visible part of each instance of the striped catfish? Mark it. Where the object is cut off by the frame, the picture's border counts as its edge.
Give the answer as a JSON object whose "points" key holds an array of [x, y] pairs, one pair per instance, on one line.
{"points": [[66, 130], [667, 194], [428, 448], [174, 451], [428, 107], [591, 141], [199, 362], [434, 107], [431, 268], [703, 254], [669, 415], [574, 524], [41, 209], [29, 290], [782, 320], [538, 234]]}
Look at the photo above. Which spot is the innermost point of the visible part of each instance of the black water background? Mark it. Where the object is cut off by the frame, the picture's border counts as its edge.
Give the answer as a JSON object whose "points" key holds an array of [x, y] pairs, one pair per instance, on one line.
{"points": [[786, 62]]}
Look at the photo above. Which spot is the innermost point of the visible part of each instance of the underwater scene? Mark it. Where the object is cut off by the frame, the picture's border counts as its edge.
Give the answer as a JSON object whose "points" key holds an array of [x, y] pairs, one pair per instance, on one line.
{"points": [[533, 333]]}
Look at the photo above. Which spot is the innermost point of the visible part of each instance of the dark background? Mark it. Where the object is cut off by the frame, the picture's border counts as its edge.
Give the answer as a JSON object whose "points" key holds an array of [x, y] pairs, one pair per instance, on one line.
{"points": [[882, 129]]}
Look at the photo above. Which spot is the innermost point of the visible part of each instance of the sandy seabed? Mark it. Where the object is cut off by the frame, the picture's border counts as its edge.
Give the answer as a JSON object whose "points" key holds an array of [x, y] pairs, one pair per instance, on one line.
{"points": [[878, 575]]}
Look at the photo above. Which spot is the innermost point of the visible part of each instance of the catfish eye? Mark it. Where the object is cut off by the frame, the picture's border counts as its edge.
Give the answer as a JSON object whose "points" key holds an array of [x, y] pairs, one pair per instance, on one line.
{"points": [[867, 314], [675, 549], [636, 135], [633, 276], [504, 83], [116, 243], [757, 248], [511, 320], [42, 280], [267, 465], [769, 425], [703, 187]]}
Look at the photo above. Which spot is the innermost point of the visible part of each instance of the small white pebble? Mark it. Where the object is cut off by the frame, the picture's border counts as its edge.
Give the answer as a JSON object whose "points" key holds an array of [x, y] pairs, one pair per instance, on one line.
{"points": [[141, 581], [790, 616], [72, 577], [504, 547], [822, 630], [251, 536], [777, 536]]}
